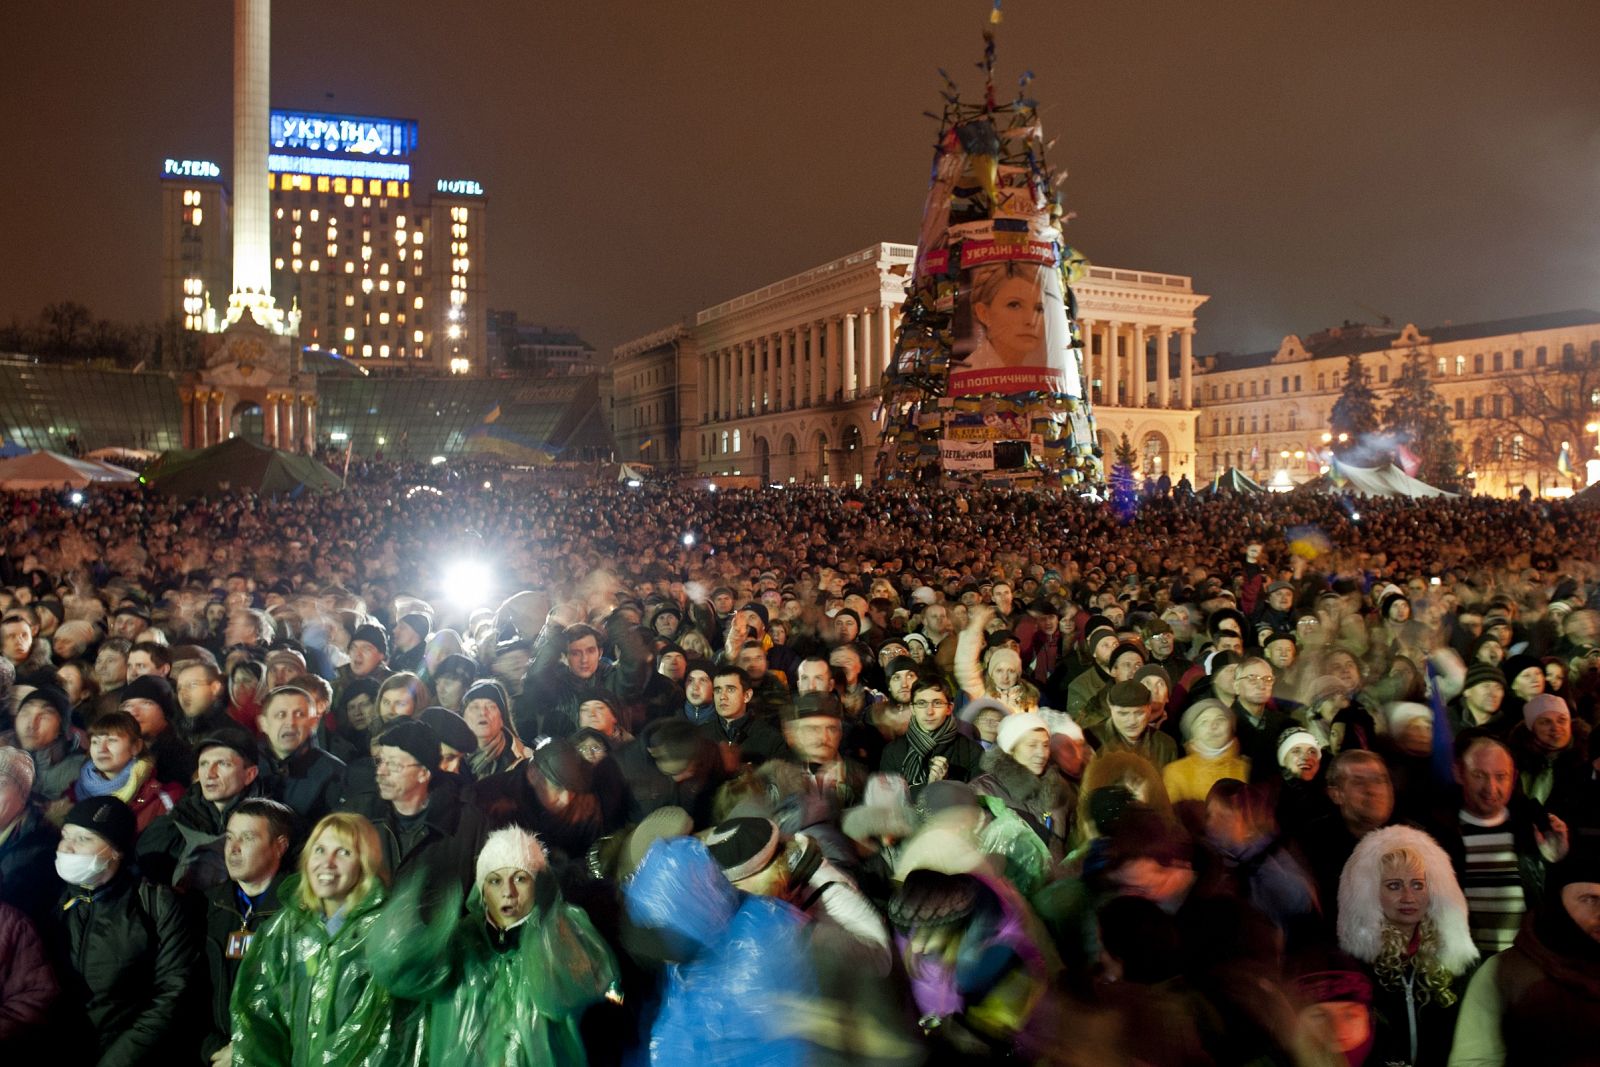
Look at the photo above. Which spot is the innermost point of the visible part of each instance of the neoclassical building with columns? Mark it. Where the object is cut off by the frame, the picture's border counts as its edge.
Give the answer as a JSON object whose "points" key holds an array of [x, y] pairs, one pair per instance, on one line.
{"points": [[781, 384]]}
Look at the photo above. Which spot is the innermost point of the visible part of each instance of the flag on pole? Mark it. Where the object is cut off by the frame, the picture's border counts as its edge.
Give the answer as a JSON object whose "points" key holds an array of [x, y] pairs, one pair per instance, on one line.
{"points": [[1410, 462], [1564, 461]]}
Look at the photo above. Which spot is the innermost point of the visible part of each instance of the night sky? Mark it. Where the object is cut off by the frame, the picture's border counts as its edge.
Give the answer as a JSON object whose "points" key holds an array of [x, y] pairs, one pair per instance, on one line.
{"points": [[1306, 163]]}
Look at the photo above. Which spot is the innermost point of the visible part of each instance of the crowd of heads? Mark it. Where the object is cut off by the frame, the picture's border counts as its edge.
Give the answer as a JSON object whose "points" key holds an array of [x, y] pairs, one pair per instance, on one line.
{"points": [[1187, 761]]}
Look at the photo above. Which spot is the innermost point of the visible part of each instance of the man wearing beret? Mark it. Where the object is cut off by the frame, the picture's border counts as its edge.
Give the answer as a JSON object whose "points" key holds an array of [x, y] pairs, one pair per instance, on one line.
{"points": [[421, 819], [124, 949]]}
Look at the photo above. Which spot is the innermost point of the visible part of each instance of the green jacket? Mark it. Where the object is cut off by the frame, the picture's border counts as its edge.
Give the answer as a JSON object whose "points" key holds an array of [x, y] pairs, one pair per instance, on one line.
{"points": [[306, 997], [504, 999]]}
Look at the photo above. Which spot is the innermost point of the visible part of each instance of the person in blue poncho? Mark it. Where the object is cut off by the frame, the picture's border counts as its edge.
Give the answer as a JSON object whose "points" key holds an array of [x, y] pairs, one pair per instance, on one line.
{"points": [[737, 975]]}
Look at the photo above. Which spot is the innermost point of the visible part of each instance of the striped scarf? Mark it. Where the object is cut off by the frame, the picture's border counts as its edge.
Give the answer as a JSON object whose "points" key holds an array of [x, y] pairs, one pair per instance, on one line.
{"points": [[921, 747]]}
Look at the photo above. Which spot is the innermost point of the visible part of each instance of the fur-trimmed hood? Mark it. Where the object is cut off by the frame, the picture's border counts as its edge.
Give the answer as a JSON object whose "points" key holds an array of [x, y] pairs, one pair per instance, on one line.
{"points": [[1019, 788], [1361, 915]]}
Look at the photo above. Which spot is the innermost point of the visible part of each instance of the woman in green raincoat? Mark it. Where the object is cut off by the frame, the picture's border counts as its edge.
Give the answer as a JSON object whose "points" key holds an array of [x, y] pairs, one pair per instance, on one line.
{"points": [[506, 983], [305, 994]]}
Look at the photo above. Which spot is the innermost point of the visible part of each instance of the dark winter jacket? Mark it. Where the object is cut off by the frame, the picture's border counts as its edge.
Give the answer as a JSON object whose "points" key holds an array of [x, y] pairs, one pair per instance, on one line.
{"points": [[183, 848], [649, 789], [548, 703], [756, 739], [310, 781], [226, 915], [508, 799], [28, 988], [126, 957], [961, 752], [28, 879], [442, 841]]}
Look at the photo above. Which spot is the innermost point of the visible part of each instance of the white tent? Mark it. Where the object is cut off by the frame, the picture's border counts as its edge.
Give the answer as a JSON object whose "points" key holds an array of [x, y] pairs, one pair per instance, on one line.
{"points": [[1387, 481], [122, 455], [51, 470]]}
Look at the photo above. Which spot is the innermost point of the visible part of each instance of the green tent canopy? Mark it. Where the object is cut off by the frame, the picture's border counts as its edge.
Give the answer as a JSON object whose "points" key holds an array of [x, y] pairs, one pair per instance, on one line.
{"points": [[238, 465]]}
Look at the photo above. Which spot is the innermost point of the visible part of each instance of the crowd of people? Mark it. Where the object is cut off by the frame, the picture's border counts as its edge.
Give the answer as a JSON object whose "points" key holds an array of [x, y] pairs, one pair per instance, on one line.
{"points": [[449, 769]]}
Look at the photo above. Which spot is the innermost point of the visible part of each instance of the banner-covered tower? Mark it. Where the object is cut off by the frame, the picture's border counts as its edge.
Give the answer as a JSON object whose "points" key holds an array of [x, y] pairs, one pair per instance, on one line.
{"points": [[985, 385]]}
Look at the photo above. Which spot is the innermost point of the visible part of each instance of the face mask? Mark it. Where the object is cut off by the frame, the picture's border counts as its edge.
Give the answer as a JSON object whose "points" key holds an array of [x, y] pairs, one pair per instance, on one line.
{"points": [[76, 869]]}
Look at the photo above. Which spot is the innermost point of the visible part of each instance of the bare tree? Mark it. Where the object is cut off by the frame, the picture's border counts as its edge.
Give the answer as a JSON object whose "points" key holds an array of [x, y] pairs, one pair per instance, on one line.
{"points": [[1534, 413]]}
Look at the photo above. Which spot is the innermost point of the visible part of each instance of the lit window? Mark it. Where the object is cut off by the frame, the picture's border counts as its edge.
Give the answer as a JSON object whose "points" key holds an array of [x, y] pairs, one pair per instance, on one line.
{"points": [[349, 201], [349, 333], [384, 284], [399, 287], [366, 350], [416, 238], [294, 248], [383, 268], [417, 303], [366, 252], [1461, 364], [349, 267], [277, 264], [400, 221], [333, 248], [295, 266], [349, 300], [383, 318], [417, 336], [366, 285], [280, 213], [316, 264], [383, 350]]}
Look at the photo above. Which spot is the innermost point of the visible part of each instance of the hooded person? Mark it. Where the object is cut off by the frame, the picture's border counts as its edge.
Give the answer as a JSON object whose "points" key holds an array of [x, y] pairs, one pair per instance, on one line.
{"points": [[1207, 728], [1530, 1004], [1403, 915], [1019, 771], [723, 1000], [506, 981], [287, 1013]]}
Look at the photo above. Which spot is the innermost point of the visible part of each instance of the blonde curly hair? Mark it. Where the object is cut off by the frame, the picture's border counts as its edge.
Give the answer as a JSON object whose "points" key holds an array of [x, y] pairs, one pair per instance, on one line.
{"points": [[1446, 949]]}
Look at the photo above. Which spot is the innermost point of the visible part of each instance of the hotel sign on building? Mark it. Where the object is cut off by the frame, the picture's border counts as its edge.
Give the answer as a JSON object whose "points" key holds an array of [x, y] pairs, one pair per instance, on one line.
{"points": [[386, 274]]}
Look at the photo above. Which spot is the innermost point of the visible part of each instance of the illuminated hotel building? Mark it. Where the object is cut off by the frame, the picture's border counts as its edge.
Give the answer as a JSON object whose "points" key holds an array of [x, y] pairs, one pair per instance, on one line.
{"points": [[382, 275]]}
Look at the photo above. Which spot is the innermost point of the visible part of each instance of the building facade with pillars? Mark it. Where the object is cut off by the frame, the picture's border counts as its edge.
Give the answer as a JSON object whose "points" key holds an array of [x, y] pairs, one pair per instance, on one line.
{"points": [[1515, 390], [782, 383], [652, 384], [1138, 353]]}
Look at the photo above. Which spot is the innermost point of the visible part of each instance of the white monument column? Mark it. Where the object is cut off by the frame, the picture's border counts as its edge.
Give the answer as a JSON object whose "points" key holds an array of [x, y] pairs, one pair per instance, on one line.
{"points": [[1113, 369], [269, 417], [1186, 366], [885, 338], [1086, 336], [1163, 375], [847, 325], [814, 343], [1141, 370], [252, 66]]}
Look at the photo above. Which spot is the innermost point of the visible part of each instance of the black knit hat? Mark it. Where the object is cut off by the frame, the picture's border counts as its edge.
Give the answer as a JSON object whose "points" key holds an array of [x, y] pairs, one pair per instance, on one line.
{"points": [[488, 689], [1479, 673], [418, 622], [374, 635], [109, 818], [761, 610], [743, 847], [415, 738], [55, 696], [456, 665], [451, 728], [151, 687]]}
